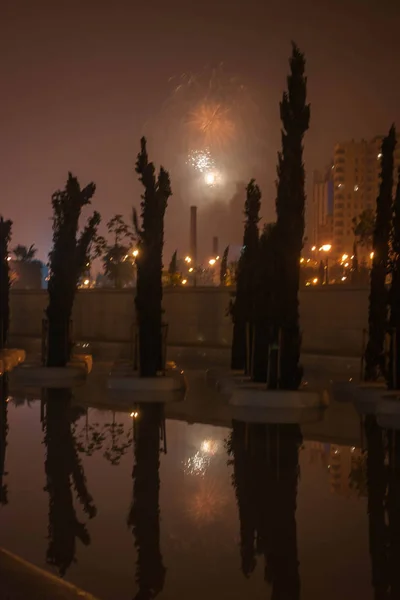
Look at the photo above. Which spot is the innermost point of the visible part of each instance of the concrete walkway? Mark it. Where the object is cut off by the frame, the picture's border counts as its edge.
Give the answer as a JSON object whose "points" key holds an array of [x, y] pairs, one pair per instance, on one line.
{"points": [[20, 580]]}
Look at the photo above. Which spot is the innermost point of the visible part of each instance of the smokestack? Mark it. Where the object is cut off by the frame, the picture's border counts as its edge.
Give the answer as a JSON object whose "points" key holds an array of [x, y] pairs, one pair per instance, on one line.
{"points": [[193, 234], [215, 247]]}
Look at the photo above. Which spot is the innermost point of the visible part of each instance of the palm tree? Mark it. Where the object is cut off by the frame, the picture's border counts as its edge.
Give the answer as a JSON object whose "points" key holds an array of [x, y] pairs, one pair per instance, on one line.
{"points": [[24, 254]]}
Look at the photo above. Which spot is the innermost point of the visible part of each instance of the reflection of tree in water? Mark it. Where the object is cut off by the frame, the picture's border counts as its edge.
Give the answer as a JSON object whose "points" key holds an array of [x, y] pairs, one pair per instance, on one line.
{"points": [[63, 468], [92, 437], [3, 437], [383, 469], [144, 514], [266, 467]]}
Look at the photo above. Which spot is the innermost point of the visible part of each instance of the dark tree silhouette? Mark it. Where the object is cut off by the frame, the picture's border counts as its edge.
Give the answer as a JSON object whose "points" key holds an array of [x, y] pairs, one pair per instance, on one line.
{"points": [[24, 254], [265, 463], [5, 235], [149, 262], [117, 260], [173, 274], [223, 272], [266, 310], [295, 116], [3, 437], [144, 514], [242, 307], [64, 469], [394, 295], [354, 264], [378, 298], [377, 485], [68, 259], [363, 227]]}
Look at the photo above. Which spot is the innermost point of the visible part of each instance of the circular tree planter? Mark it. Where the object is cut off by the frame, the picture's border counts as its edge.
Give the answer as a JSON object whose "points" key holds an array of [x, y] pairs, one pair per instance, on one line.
{"points": [[11, 358], [50, 377], [162, 388]]}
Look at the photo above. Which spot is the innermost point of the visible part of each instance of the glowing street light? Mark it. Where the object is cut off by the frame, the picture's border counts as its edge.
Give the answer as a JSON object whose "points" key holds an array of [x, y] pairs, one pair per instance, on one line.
{"points": [[211, 261], [313, 249], [371, 255], [135, 252], [86, 282], [315, 280], [191, 270], [345, 257], [326, 247], [184, 281], [188, 259]]}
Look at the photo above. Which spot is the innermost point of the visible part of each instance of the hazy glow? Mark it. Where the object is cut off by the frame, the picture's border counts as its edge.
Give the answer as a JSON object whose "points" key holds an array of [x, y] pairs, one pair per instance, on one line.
{"points": [[326, 247]]}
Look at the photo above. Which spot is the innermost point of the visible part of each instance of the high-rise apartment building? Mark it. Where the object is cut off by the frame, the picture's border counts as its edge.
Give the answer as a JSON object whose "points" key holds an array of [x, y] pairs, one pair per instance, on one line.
{"points": [[356, 177], [322, 207]]}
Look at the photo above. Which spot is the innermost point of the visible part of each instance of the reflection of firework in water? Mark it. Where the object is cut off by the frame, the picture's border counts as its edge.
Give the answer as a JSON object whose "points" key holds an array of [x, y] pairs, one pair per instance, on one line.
{"points": [[207, 504], [201, 160], [197, 464]]}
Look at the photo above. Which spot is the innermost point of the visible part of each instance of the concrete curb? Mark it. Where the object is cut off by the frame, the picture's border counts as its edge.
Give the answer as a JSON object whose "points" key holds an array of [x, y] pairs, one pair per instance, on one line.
{"points": [[21, 580]]}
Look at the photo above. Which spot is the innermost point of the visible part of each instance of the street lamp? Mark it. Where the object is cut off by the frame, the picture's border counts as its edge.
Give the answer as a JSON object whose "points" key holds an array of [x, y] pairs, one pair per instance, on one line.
{"points": [[326, 248]]}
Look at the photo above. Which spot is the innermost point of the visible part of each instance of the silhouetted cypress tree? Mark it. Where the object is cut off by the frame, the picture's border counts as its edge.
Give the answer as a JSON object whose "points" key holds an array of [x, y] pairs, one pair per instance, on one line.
{"points": [[266, 310], [295, 116], [64, 469], [394, 294], [378, 298], [68, 259], [242, 308], [149, 262], [393, 508], [223, 272], [3, 437], [5, 236], [265, 475], [144, 514]]}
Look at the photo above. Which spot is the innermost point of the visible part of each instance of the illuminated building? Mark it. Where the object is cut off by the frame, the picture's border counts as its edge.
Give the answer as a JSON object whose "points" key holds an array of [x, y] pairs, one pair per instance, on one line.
{"points": [[356, 175], [322, 207]]}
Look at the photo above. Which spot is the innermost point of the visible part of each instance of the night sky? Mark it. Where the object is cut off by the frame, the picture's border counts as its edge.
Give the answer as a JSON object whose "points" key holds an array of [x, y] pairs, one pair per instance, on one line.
{"points": [[82, 80]]}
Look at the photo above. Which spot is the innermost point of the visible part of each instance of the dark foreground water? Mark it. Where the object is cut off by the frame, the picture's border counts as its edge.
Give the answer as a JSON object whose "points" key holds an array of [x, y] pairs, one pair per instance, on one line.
{"points": [[255, 511]]}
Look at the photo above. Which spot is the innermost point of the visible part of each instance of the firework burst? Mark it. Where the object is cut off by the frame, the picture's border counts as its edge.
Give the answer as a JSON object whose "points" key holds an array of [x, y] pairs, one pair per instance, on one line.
{"points": [[201, 160], [212, 110]]}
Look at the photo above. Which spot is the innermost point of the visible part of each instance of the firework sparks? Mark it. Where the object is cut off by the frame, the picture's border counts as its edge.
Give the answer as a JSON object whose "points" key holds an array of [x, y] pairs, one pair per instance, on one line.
{"points": [[197, 464], [201, 160], [212, 123]]}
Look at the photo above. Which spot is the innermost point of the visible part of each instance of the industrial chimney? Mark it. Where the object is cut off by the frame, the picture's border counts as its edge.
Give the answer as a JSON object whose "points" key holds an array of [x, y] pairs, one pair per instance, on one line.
{"points": [[193, 234], [215, 247]]}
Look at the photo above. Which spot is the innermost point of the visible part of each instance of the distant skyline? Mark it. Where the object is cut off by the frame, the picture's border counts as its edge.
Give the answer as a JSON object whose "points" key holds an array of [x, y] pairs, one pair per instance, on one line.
{"points": [[81, 82]]}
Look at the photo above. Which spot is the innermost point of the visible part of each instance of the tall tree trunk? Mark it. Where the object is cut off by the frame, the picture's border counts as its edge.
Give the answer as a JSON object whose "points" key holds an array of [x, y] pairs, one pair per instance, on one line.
{"points": [[290, 204], [3, 437], [377, 483], [149, 263], [5, 234], [378, 298], [144, 515], [242, 308], [63, 469]]}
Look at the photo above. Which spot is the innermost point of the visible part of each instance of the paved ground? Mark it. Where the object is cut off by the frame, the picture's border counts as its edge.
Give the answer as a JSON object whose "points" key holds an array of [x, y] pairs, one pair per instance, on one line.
{"points": [[20, 580]]}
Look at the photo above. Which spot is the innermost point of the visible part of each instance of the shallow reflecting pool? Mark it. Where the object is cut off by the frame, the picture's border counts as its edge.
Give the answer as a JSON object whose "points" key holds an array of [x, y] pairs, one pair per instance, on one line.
{"points": [[135, 505]]}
